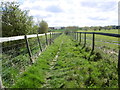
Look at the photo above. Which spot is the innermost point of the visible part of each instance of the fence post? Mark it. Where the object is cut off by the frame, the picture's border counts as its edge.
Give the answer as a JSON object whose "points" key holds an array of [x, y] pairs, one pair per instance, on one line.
{"points": [[77, 36], [119, 68], [74, 35], [28, 48], [84, 39], [51, 35], [1, 85], [46, 39], [80, 37], [93, 42], [39, 43], [50, 39]]}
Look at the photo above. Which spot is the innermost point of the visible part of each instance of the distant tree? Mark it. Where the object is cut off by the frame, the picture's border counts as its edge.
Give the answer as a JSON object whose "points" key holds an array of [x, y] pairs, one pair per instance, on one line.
{"points": [[34, 29], [71, 28], [43, 27], [15, 21], [86, 28], [109, 27]]}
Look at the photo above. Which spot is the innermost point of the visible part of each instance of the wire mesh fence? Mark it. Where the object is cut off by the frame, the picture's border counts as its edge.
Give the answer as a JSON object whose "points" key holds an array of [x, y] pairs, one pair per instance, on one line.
{"points": [[16, 56], [14, 61], [106, 47]]}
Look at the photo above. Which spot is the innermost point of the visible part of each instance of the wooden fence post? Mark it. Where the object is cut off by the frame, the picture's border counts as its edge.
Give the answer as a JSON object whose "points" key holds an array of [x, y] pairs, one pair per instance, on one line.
{"points": [[28, 48], [77, 36], [46, 39], [80, 37], [39, 43], [50, 38], [119, 68], [51, 35], [84, 39], [1, 85], [93, 42]]}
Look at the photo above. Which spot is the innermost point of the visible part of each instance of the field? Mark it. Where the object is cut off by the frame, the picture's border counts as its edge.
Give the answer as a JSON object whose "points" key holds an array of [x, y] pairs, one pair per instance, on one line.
{"points": [[104, 44], [66, 64], [39, 49]]}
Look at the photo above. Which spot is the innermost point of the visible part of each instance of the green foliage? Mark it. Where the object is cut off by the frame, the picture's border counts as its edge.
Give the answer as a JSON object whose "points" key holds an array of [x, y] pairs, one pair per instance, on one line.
{"points": [[15, 59], [34, 77], [75, 67], [15, 22], [35, 29], [43, 27]]}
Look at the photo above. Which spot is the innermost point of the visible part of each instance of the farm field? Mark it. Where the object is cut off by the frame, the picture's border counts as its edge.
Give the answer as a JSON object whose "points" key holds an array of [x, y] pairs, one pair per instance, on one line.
{"points": [[106, 43], [59, 44], [67, 64]]}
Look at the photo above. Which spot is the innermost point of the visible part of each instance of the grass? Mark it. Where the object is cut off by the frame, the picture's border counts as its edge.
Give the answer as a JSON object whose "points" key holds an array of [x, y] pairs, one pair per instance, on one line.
{"points": [[67, 64], [15, 60], [106, 42], [34, 75]]}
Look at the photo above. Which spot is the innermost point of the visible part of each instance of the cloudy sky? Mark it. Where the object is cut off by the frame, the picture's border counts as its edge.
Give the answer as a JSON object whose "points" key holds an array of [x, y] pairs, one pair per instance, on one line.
{"points": [[73, 12]]}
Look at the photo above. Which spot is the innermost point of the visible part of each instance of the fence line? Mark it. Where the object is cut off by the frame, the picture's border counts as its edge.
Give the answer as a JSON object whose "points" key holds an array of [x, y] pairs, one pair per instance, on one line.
{"points": [[20, 54], [6, 39], [93, 44]]}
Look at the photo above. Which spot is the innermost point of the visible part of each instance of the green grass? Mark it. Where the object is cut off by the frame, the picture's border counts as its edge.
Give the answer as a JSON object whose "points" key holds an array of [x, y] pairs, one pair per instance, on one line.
{"points": [[34, 75], [105, 42], [16, 60], [75, 67], [102, 37]]}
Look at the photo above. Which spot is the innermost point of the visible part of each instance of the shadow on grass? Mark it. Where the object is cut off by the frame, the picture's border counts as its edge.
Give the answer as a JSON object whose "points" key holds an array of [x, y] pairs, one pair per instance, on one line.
{"points": [[91, 53]]}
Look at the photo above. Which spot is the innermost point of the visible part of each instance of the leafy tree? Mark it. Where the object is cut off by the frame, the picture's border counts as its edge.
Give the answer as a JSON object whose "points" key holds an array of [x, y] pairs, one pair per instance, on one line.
{"points": [[43, 27], [34, 29], [15, 21]]}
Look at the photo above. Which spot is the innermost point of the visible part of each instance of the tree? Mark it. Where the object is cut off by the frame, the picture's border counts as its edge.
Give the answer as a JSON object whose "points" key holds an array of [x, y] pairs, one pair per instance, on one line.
{"points": [[86, 28], [109, 27], [43, 27], [34, 29], [15, 21]]}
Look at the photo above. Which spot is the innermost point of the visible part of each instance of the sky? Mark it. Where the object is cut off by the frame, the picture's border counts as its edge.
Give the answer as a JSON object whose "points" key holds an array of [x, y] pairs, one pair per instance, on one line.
{"points": [[72, 12]]}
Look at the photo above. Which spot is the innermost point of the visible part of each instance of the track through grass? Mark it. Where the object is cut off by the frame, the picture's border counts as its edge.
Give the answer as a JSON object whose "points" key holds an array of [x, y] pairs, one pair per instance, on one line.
{"points": [[66, 64]]}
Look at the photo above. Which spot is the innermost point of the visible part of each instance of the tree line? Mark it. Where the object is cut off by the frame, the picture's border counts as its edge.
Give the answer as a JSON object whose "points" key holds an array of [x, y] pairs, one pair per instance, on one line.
{"points": [[17, 22], [99, 28]]}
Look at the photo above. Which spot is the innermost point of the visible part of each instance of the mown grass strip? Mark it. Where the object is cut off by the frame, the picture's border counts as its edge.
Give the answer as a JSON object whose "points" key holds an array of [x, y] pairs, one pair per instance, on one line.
{"points": [[34, 76], [76, 68]]}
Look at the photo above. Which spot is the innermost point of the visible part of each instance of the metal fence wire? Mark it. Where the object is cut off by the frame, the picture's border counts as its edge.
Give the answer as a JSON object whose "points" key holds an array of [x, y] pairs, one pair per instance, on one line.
{"points": [[17, 55], [14, 61], [99, 42]]}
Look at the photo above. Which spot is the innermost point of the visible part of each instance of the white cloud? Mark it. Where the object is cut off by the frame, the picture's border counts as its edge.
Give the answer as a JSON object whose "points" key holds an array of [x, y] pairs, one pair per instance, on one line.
{"points": [[9, 0], [73, 12]]}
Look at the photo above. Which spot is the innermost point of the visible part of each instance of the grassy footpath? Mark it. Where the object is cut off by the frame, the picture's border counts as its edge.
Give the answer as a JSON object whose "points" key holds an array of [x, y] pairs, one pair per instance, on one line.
{"points": [[34, 76], [15, 58], [73, 67]]}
